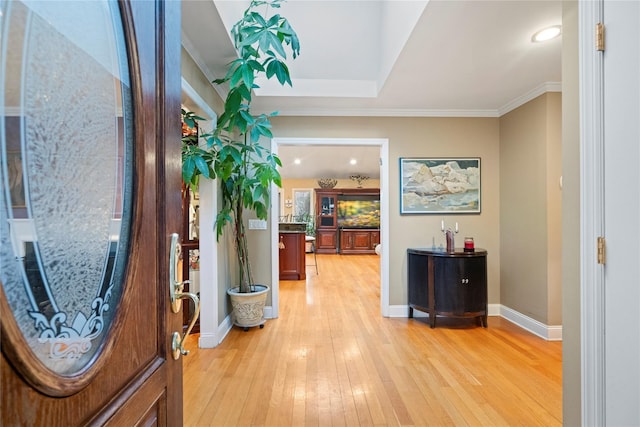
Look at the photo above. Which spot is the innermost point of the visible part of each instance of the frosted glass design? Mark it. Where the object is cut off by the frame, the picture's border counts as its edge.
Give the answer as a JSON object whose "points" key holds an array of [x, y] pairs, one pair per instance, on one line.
{"points": [[65, 211]]}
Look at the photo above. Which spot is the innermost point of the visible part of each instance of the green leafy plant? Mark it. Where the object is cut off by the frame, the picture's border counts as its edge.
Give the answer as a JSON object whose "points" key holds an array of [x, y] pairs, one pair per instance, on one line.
{"points": [[310, 229], [233, 153]]}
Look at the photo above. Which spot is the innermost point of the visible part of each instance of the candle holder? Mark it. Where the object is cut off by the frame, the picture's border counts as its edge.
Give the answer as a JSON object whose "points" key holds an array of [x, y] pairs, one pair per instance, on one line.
{"points": [[449, 236]]}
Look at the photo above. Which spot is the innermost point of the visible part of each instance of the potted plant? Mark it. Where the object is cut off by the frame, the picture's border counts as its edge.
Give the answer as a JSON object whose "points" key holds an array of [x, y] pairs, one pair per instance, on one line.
{"points": [[233, 153]]}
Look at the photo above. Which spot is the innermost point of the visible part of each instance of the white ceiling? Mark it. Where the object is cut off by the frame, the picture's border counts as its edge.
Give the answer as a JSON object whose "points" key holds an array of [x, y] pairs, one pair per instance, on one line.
{"points": [[468, 58], [329, 161]]}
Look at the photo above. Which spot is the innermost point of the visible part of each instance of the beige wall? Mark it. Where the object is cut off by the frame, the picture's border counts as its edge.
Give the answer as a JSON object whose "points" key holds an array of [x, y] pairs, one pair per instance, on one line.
{"points": [[530, 149], [200, 84], [554, 209], [422, 137], [571, 381]]}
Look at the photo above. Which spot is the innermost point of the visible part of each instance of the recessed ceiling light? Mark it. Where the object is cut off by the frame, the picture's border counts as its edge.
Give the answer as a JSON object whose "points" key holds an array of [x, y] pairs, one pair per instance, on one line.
{"points": [[547, 34], [353, 161], [297, 161]]}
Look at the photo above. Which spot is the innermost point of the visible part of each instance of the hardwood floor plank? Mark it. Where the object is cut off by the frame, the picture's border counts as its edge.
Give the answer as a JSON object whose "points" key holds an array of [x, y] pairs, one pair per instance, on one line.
{"points": [[346, 391], [331, 359]]}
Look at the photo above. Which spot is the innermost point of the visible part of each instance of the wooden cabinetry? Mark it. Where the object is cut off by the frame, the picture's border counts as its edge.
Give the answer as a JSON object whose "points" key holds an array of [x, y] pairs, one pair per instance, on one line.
{"points": [[326, 221], [326, 241], [292, 256], [451, 284], [358, 241], [329, 236]]}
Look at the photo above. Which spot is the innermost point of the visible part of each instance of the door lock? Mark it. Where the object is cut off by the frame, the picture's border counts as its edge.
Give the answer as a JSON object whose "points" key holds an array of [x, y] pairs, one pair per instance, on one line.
{"points": [[177, 294]]}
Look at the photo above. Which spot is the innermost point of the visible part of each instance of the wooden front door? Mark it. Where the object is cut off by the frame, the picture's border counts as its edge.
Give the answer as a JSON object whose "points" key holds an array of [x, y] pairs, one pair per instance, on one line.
{"points": [[90, 194]]}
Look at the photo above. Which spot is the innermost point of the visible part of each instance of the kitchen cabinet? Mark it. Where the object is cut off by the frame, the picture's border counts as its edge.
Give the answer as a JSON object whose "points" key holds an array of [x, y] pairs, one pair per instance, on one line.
{"points": [[292, 256]]}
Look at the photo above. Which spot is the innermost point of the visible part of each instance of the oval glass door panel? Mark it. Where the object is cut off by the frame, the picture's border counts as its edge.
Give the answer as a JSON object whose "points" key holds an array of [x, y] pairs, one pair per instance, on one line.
{"points": [[66, 171]]}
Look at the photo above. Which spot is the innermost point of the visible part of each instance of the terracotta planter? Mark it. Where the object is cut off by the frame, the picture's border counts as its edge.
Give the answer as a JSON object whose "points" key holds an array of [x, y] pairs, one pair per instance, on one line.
{"points": [[248, 307]]}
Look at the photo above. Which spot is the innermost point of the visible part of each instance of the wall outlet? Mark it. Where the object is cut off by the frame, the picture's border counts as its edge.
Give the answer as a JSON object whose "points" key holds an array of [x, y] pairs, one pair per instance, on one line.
{"points": [[257, 224]]}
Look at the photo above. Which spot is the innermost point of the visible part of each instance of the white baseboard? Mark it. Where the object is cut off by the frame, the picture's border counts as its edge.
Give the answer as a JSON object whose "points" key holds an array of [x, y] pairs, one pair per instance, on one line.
{"points": [[268, 312], [211, 340], [494, 309], [403, 311], [547, 332], [207, 340]]}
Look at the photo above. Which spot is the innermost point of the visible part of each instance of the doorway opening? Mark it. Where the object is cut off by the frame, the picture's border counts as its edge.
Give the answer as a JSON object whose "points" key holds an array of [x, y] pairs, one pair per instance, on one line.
{"points": [[383, 145]]}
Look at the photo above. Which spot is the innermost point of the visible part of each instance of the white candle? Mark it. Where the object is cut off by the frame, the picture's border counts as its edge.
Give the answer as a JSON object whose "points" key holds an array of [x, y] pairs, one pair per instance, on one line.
{"points": [[442, 225], [456, 227]]}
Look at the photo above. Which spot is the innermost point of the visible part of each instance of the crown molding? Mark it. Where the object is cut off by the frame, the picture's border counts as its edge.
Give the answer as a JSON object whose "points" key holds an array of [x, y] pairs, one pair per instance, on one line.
{"points": [[532, 94], [374, 112], [400, 112]]}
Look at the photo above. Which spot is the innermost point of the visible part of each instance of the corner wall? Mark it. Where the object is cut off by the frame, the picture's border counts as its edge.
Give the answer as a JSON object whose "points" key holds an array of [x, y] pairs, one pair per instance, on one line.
{"points": [[530, 209]]}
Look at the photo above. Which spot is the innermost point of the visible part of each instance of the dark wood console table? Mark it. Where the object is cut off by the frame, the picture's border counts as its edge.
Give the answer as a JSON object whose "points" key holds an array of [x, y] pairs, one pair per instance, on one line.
{"points": [[449, 284]]}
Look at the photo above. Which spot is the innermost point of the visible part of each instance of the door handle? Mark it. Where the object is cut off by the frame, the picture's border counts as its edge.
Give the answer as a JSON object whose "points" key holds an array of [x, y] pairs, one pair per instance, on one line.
{"points": [[177, 294]]}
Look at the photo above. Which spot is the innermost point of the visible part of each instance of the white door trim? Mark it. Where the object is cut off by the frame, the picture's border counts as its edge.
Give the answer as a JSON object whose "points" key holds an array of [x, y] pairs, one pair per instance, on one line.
{"points": [[383, 143], [591, 216], [210, 336]]}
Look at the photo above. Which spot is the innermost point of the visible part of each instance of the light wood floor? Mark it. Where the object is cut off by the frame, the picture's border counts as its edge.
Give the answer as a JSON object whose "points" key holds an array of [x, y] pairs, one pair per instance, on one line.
{"points": [[331, 359]]}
